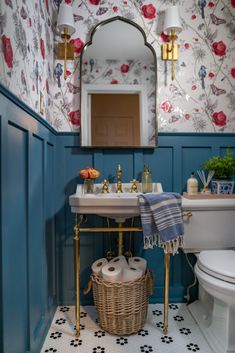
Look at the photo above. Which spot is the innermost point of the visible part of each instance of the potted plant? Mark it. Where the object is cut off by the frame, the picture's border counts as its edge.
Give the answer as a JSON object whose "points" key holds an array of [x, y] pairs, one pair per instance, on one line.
{"points": [[224, 169]]}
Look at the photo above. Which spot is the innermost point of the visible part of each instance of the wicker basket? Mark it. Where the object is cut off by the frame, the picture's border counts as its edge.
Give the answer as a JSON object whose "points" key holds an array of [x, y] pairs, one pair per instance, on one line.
{"points": [[122, 306]]}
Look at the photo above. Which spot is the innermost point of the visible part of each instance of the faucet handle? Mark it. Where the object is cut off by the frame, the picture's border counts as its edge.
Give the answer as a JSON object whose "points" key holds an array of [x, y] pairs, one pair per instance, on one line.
{"points": [[134, 186], [105, 187]]}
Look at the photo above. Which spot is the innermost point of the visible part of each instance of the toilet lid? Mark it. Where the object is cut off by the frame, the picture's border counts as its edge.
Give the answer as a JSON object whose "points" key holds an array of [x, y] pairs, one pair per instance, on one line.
{"points": [[218, 263]]}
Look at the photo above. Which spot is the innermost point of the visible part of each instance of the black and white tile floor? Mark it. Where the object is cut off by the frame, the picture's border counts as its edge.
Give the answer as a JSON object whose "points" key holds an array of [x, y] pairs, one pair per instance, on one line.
{"points": [[184, 334]]}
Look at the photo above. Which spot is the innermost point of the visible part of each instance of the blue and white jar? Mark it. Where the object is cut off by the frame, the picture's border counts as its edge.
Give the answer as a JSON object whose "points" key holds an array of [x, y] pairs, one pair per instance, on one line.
{"points": [[222, 186]]}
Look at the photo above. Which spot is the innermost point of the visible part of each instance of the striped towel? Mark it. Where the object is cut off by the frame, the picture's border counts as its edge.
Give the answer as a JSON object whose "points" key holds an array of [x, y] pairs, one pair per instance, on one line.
{"points": [[161, 218]]}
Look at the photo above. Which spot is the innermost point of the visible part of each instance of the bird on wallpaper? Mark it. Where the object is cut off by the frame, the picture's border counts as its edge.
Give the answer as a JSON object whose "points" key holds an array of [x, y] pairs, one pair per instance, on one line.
{"points": [[92, 63], [202, 75], [202, 4], [57, 3], [58, 72]]}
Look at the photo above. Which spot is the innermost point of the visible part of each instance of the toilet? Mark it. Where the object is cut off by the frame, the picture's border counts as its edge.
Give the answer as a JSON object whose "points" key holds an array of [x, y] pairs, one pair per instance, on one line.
{"points": [[210, 235]]}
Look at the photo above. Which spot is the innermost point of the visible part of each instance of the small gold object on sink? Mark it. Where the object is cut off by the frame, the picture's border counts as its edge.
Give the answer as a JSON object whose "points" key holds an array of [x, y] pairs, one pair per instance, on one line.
{"points": [[134, 186], [105, 187], [119, 178]]}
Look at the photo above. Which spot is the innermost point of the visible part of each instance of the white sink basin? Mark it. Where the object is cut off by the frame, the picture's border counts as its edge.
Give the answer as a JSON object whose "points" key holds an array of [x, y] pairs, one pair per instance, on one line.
{"points": [[118, 206]]}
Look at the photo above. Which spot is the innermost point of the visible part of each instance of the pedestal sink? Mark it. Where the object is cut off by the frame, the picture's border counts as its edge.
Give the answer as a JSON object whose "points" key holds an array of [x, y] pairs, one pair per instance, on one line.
{"points": [[118, 206]]}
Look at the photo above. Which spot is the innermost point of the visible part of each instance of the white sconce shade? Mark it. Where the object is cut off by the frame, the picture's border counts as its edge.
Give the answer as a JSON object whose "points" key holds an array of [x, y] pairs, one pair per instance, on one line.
{"points": [[172, 20], [65, 19]]}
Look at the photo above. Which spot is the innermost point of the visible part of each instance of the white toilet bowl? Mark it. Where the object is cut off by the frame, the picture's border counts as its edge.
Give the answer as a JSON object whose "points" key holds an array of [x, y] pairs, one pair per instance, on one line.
{"points": [[215, 309], [209, 228]]}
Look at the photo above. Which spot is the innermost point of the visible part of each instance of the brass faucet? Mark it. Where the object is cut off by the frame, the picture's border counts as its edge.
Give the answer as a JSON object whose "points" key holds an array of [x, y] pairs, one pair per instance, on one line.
{"points": [[119, 178], [105, 188]]}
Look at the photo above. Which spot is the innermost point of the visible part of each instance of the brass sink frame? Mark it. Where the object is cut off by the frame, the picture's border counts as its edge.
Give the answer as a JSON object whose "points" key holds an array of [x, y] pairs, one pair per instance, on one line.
{"points": [[120, 229]]}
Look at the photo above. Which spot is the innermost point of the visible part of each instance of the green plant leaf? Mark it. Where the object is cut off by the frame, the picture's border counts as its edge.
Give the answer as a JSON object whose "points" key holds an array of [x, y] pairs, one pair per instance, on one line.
{"points": [[224, 167]]}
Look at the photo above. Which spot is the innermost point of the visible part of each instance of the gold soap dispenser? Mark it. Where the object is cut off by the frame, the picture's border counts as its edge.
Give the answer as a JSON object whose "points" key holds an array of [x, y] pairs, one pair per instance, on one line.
{"points": [[147, 185]]}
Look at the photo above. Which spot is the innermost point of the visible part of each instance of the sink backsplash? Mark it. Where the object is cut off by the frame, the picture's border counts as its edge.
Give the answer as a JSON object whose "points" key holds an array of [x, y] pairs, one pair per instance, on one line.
{"points": [[126, 187]]}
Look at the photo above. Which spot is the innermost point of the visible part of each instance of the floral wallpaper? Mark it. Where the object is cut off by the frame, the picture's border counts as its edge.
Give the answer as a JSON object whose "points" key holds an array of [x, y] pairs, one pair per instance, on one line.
{"points": [[200, 99], [26, 52]]}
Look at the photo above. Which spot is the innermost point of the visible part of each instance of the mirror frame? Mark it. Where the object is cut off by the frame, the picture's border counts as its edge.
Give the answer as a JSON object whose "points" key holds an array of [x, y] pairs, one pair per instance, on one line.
{"points": [[85, 47]]}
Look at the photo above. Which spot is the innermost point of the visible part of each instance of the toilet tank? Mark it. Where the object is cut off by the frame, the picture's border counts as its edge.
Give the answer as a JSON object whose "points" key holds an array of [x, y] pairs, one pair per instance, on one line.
{"points": [[211, 226]]}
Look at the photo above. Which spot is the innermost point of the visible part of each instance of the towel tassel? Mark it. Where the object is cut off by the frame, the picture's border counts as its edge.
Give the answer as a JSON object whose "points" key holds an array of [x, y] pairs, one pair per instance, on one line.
{"points": [[169, 247]]}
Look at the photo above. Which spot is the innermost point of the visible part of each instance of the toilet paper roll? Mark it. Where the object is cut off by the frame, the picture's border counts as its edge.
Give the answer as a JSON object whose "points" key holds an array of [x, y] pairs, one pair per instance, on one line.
{"points": [[131, 274], [121, 261], [98, 265], [112, 272], [138, 262]]}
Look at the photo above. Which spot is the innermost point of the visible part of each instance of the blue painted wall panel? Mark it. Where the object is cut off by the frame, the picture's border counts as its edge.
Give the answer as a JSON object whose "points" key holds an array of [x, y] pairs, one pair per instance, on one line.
{"points": [[36, 241], [27, 227], [14, 250], [49, 213]]}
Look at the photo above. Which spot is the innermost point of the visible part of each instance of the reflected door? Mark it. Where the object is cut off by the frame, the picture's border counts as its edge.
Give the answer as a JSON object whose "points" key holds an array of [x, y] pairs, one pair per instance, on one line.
{"points": [[115, 119]]}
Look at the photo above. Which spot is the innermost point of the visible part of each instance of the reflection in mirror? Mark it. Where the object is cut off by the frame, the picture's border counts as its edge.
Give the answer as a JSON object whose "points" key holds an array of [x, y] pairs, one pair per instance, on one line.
{"points": [[118, 87]]}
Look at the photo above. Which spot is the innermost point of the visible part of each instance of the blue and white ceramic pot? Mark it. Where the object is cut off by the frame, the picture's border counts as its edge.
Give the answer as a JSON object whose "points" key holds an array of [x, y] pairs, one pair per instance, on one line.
{"points": [[222, 186]]}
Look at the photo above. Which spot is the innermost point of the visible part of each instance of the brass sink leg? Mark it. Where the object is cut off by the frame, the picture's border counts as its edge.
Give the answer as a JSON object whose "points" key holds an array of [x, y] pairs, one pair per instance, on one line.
{"points": [[120, 240], [77, 275], [166, 291]]}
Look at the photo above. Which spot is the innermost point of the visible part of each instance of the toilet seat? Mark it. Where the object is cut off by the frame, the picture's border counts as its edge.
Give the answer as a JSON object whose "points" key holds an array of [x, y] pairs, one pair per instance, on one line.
{"points": [[218, 263]]}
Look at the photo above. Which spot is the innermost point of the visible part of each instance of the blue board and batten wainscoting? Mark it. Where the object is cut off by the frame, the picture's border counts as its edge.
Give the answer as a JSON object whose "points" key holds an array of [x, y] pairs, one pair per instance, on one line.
{"points": [[39, 170], [28, 195]]}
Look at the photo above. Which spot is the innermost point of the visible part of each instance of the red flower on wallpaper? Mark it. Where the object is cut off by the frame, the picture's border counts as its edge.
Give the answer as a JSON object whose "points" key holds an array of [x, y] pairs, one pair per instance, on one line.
{"points": [[186, 45], [187, 116], [219, 48], [164, 37], [219, 118], [42, 47], [68, 1], [211, 4], [114, 82], [94, 2], [74, 117], [233, 3], [167, 106], [115, 9], [7, 51], [211, 75], [78, 45], [148, 11], [233, 72], [124, 68]]}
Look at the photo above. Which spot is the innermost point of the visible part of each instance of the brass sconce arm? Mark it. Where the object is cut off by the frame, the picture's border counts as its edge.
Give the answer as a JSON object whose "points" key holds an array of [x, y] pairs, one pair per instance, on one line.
{"points": [[170, 52]]}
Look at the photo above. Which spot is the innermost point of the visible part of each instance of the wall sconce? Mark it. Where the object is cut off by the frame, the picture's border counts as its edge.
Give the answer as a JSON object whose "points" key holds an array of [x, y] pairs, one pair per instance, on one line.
{"points": [[172, 25], [65, 23]]}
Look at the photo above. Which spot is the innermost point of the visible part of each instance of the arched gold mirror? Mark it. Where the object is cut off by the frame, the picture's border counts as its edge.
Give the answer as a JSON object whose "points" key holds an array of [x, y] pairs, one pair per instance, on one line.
{"points": [[118, 76]]}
